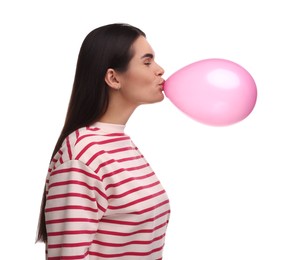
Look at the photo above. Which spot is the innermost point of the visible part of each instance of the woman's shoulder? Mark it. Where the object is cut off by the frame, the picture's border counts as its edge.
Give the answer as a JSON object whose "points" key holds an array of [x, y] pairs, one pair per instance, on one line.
{"points": [[93, 140]]}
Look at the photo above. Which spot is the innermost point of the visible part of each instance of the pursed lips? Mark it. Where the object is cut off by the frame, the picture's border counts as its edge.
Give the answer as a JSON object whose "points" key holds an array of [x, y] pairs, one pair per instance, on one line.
{"points": [[161, 84]]}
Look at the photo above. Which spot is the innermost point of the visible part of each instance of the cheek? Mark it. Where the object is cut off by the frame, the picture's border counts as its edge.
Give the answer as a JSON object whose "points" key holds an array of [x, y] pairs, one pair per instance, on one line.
{"points": [[138, 79]]}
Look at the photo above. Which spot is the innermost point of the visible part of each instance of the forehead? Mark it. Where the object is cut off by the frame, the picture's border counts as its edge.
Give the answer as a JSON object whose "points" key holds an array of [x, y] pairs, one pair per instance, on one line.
{"points": [[141, 47]]}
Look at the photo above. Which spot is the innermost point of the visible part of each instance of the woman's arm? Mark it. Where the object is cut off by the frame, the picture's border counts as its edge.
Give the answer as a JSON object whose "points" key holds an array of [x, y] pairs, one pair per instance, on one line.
{"points": [[76, 201]]}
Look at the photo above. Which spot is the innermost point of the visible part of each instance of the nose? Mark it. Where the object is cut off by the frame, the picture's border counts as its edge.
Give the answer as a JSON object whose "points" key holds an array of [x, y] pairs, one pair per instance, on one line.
{"points": [[159, 71]]}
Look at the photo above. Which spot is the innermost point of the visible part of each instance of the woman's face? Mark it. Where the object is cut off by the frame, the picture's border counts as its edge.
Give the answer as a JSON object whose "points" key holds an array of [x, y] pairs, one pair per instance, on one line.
{"points": [[142, 83]]}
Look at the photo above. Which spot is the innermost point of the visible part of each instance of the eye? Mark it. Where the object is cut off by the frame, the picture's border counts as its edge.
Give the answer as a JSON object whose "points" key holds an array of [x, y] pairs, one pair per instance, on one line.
{"points": [[147, 62]]}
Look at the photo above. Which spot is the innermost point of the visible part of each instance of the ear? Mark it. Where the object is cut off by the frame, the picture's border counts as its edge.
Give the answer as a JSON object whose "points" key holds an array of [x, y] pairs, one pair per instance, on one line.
{"points": [[111, 79]]}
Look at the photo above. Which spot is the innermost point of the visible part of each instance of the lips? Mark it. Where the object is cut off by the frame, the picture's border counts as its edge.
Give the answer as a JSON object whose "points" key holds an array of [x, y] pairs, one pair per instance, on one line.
{"points": [[162, 84]]}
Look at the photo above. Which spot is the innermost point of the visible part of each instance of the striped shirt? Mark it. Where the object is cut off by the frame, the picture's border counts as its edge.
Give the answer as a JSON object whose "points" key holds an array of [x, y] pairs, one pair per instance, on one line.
{"points": [[103, 199]]}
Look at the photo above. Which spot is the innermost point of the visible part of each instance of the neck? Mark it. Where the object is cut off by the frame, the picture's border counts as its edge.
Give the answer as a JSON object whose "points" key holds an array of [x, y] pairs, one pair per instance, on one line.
{"points": [[118, 111], [119, 117]]}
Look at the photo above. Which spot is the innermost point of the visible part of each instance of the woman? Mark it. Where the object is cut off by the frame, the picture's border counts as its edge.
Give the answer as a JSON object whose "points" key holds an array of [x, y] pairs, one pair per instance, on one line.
{"points": [[102, 200]]}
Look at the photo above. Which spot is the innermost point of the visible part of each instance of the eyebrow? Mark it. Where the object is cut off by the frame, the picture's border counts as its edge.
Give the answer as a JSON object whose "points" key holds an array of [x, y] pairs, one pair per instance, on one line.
{"points": [[148, 55]]}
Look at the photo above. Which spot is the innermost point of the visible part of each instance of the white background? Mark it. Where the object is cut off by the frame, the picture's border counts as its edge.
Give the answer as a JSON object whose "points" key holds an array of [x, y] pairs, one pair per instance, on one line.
{"points": [[229, 186]]}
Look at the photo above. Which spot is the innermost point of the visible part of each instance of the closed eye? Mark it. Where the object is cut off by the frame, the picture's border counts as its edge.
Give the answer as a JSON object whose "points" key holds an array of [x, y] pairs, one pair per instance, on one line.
{"points": [[148, 57], [147, 63]]}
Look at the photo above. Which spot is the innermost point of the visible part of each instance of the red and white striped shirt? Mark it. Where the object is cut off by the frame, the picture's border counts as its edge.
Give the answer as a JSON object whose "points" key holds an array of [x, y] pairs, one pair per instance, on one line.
{"points": [[103, 199]]}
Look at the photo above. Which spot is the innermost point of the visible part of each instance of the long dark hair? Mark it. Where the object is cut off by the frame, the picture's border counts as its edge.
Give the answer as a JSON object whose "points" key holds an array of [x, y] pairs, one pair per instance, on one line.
{"points": [[105, 47]]}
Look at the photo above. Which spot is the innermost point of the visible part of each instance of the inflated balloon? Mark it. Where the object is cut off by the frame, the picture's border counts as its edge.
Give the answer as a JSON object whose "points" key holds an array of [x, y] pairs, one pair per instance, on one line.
{"points": [[215, 92]]}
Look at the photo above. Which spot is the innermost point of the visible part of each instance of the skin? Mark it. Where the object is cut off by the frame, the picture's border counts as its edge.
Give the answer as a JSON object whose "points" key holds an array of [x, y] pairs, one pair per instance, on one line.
{"points": [[141, 84]]}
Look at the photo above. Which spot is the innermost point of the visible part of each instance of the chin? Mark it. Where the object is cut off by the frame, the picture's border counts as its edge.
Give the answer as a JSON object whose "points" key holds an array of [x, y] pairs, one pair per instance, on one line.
{"points": [[162, 98], [156, 99], [159, 99]]}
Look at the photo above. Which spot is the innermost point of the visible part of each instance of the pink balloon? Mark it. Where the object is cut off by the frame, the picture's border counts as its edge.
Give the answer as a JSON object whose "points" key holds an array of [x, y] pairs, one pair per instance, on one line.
{"points": [[215, 92]]}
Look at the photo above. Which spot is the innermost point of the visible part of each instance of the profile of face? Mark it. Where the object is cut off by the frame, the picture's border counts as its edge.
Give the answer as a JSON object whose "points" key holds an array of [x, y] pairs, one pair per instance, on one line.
{"points": [[142, 82]]}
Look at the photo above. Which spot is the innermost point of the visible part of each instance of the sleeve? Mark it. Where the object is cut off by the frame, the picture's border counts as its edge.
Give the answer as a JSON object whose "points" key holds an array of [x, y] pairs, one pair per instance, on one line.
{"points": [[76, 201]]}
